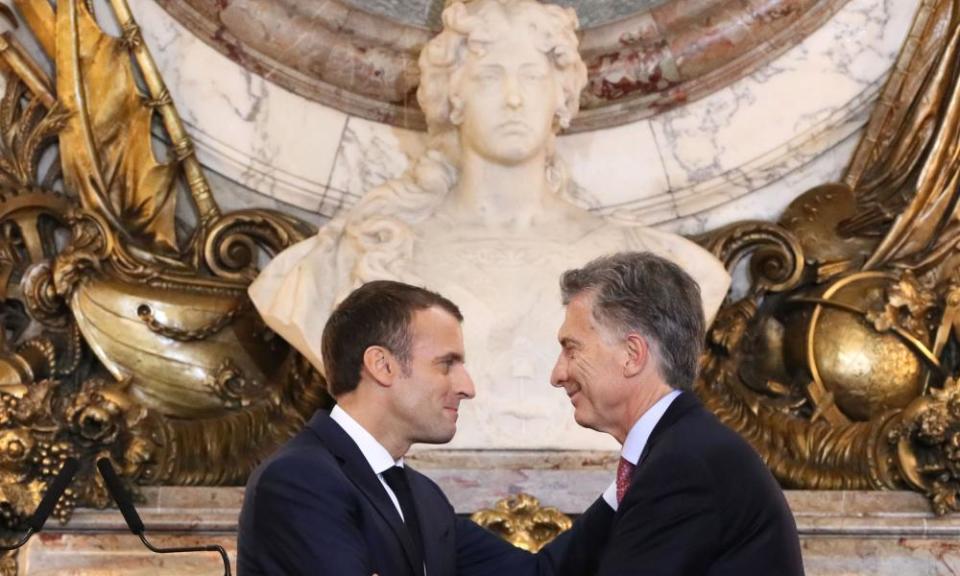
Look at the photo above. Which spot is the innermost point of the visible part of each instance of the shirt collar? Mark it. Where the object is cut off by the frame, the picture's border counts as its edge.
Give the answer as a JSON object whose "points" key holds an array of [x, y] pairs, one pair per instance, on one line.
{"points": [[636, 440], [377, 456]]}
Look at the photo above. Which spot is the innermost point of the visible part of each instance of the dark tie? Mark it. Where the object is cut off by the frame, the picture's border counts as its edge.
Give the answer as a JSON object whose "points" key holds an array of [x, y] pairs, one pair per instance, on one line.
{"points": [[396, 479], [624, 473]]}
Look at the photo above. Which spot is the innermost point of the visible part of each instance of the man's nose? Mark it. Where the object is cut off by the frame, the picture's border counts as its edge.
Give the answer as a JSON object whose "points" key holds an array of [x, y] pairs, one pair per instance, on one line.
{"points": [[559, 373], [465, 387]]}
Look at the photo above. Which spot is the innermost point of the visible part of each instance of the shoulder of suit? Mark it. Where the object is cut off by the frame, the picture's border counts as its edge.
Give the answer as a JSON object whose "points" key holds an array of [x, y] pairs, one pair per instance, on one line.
{"points": [[298, 459], [699, 435], [416, 475], [424, 480]]}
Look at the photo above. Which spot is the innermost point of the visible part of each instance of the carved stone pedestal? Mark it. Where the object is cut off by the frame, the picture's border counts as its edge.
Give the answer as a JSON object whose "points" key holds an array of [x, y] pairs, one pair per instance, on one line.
{"points": [[843, 533]]}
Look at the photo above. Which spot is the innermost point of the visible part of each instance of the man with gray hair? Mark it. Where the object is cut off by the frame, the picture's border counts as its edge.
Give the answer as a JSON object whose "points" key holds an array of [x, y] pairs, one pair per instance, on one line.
{"points": [[692, 497]]}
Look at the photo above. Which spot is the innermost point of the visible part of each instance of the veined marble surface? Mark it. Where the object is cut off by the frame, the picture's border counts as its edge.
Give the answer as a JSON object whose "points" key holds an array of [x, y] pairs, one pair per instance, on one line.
{"points": [[684, 166], [841, 533]]}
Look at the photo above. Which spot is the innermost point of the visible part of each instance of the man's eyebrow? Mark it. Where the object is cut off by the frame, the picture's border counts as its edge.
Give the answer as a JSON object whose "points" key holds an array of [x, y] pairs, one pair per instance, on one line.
{"points": [[449, 357], [568, 341]]}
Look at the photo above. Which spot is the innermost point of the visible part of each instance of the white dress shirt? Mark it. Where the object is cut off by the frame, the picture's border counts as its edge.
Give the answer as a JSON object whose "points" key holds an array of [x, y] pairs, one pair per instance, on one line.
{"points": [[376, 455], [637, 438]]}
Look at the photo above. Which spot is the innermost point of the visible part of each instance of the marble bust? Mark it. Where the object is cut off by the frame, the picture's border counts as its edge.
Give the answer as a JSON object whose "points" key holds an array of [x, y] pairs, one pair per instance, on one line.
{"points": [[484, 217]]}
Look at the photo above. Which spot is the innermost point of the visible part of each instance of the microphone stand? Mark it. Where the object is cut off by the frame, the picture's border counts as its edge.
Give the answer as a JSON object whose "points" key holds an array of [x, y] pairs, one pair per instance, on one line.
{"points": [[47, 503], [8, 548], [175, 550], [135, 524]]}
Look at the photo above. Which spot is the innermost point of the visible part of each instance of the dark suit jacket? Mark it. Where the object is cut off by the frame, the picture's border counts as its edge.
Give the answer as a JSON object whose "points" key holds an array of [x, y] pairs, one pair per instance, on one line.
{"points": [[701, 502], [316, 508]]}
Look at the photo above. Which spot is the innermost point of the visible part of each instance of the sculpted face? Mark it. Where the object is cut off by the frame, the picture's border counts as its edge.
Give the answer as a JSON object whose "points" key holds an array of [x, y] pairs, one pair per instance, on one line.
{"points": [[510, 96], [436, 381], [590, 368]]}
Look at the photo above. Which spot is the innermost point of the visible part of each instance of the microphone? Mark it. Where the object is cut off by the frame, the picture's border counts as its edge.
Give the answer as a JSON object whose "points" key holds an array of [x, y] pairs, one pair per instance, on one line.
{"points": [[130, 516], [120, 496], [48, 502]]}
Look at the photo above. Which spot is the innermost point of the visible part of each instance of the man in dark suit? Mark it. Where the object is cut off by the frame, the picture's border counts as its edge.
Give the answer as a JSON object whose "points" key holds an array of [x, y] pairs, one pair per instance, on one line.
{"points": [[337, 499], [692, 497]]}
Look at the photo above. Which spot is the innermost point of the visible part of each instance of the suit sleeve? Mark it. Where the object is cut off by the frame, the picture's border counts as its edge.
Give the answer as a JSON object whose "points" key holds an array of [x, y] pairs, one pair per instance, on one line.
{"points": [[305, 526], [573, 553], [668, 524], [483, 553], [577, 551]]}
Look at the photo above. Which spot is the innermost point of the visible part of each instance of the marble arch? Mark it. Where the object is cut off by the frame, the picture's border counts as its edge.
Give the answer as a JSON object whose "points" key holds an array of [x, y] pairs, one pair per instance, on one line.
{"points": [[643, 58]]}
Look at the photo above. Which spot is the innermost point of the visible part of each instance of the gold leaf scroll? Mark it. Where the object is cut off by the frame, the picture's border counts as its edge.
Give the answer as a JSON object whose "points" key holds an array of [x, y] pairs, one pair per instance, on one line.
{"points": [[106, 147]]}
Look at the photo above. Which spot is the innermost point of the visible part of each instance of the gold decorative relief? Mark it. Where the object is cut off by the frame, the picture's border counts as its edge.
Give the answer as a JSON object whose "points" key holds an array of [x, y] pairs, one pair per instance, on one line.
{"points": [[521, 521], [125, 336], [840, 362]]}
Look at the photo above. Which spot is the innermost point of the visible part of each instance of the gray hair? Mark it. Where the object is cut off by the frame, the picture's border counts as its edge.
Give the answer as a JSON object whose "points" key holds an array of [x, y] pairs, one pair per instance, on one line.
{"points": [[650, 295]]}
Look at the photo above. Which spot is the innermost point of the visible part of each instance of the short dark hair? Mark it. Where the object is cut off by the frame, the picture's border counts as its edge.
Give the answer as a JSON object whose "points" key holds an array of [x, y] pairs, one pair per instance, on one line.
{"points": [[378, 313], [645, 293]]}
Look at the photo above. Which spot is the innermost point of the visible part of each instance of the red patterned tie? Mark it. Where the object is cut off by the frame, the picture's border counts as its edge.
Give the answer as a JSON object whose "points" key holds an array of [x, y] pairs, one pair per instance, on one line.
{"points": [[624, 472]]}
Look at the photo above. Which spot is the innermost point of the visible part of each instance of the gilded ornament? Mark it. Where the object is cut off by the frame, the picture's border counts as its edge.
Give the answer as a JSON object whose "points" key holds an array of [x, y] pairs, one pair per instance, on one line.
{"points": [[121, 338], [521, 521], [855, 345], [845, 377], [15, 445]]}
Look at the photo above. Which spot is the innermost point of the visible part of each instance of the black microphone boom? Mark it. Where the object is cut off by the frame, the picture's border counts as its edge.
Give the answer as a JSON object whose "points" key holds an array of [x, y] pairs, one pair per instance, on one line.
{"points": [[130, 516], [48, 502], [120, 496]]}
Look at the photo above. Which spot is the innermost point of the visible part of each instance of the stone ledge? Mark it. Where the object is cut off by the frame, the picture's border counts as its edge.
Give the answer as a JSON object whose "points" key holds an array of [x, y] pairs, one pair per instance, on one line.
{"points": [[818, 513], [842, 533]]}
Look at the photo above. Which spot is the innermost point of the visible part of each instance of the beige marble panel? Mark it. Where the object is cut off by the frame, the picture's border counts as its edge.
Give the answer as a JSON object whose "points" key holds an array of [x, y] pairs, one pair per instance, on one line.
{"points": [[369, 154], [108, 554], [842, 533], [591, 155]]}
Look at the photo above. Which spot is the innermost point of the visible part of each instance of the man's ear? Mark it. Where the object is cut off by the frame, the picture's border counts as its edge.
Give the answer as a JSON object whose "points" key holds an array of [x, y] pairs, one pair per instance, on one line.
{"points": [[638, 355], [381, 365]]}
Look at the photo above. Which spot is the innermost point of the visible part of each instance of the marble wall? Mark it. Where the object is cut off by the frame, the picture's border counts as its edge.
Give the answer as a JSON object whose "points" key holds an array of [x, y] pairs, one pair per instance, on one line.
{"points": [[841, 533], [742, 152]]}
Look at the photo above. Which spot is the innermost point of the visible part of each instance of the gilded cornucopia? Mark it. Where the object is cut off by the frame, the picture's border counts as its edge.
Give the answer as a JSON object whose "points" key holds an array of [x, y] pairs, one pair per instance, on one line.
{"points": [[129, 334]]}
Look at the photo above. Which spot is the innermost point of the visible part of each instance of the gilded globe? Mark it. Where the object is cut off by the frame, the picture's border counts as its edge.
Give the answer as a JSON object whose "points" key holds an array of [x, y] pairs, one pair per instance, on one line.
{"points": [[868, 371]]}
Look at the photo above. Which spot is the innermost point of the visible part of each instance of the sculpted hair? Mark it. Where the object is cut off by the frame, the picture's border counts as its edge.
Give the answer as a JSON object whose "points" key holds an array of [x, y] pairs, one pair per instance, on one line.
{"points": [[378, 313], [644, 293], [473, 26], [378, 224]]}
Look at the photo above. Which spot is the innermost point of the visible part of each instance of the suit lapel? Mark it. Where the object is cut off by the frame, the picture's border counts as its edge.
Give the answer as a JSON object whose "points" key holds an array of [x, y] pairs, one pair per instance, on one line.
{"points": [[435, 524], [358, 470]]}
